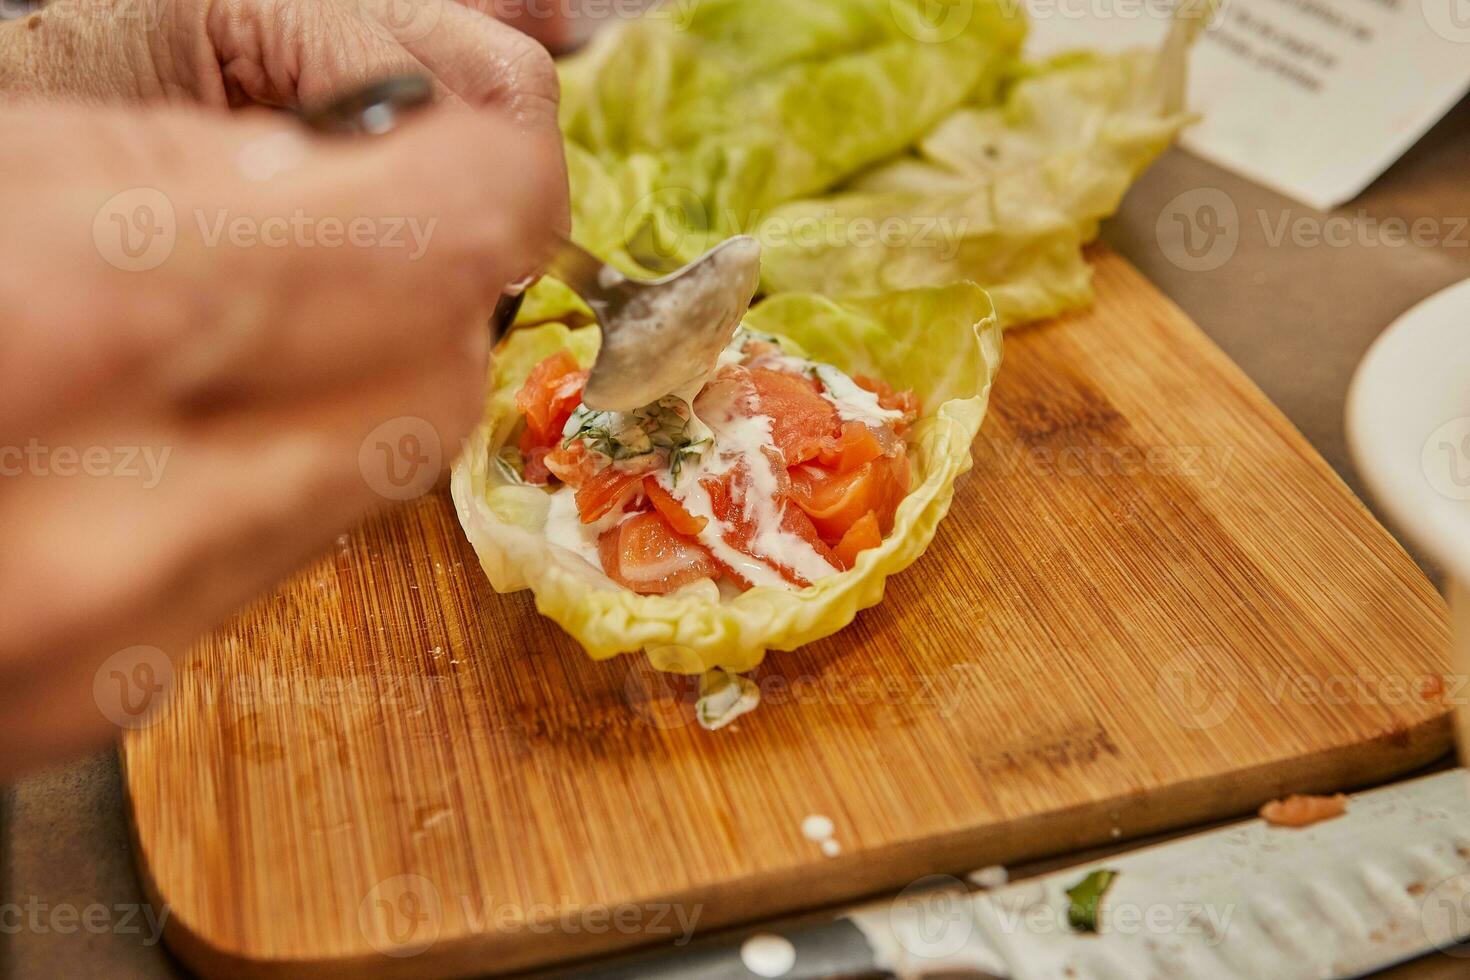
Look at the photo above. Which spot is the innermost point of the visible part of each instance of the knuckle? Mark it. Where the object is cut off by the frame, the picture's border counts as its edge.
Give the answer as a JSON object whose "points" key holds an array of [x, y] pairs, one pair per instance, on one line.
{"points": [[535, 67], [531, 76]]}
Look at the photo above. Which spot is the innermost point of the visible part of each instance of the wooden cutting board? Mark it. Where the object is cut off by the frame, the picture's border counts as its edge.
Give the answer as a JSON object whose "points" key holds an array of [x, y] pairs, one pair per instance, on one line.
{"points": [[1152, 604]]}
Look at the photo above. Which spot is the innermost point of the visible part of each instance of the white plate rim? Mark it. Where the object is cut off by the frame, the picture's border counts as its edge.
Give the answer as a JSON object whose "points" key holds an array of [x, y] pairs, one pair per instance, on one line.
{"points": [[1403, 394]]}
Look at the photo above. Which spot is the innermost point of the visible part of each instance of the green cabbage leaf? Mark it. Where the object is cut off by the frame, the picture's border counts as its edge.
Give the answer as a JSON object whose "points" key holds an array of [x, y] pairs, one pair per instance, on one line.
{"points": [[1003, 194], [942, 342]]}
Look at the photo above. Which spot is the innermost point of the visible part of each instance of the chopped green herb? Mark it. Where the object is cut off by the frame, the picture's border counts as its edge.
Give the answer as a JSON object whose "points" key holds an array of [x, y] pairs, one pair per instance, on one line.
{"points": [[1085, 897], [661, 427], [509, 468], [723, 697], [744, 335], [693, 450]]}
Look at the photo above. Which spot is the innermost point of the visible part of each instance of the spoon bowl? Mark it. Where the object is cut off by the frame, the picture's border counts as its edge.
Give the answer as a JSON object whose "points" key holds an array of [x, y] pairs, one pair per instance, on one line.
{"points": [[661, 336]]}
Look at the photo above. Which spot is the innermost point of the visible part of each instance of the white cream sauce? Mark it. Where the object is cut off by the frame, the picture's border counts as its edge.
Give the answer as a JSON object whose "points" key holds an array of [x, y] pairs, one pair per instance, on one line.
{"points": [[819, 829], [564, 527], [724, 697], [735, 438], [740, 438], [853, 402], [767, 955]]}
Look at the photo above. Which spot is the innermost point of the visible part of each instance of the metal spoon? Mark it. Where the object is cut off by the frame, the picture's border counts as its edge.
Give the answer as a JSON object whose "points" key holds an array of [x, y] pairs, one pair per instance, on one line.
{"points": [[658, 336]]}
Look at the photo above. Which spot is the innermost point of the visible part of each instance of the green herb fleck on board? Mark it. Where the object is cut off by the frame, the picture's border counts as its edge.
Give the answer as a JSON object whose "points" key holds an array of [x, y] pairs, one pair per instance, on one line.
{"points": [[1085, 897]]}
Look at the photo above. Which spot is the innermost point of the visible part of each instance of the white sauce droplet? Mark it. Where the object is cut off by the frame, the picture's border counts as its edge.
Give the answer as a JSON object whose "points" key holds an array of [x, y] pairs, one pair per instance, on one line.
{"points": [[992, 876], [721, 413], [817, 828], [723, 697], [766, 955], [831, 848]]}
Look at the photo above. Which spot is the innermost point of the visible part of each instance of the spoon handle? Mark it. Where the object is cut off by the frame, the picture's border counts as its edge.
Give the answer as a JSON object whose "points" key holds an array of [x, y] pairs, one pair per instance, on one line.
{"points": [[588, 276], [373, 109]]}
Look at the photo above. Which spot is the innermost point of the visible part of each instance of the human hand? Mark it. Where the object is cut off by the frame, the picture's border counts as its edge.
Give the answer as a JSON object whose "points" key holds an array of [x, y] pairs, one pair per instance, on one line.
{"points": [[276, 52], [211, 315]]}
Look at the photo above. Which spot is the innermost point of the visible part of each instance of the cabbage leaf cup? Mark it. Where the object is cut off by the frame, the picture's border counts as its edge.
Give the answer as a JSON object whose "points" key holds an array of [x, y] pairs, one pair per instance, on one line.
{"points": [[943, 343]]}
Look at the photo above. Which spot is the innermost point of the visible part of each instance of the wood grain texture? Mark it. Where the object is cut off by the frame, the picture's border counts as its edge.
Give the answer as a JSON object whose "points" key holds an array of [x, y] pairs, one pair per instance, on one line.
{"points": [[1152, 604]]}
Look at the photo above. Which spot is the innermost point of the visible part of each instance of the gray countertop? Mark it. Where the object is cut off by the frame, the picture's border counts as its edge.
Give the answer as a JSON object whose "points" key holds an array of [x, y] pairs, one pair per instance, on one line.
{"points": [[1297, 316]]}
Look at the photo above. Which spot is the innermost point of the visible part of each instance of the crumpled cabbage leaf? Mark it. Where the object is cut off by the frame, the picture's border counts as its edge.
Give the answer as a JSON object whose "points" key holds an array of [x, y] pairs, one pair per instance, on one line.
{"points": [[1002, 194], [942, 342], [688, 124]]}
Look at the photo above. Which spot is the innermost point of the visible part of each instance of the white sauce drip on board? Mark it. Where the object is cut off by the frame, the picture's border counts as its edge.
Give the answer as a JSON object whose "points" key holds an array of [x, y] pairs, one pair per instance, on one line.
{"points": [[819, 830], [766, 955], [990, 876], [723, 697]]}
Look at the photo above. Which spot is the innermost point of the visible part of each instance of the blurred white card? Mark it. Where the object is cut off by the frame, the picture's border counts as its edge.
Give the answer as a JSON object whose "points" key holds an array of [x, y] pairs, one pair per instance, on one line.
{"points": [[1313, 98]]}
